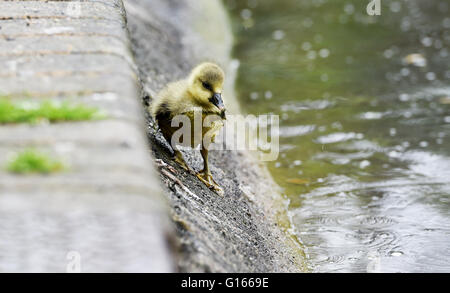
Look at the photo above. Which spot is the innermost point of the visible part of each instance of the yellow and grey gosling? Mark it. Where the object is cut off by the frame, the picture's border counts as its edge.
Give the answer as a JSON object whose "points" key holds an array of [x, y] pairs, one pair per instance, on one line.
{"points": [[202, 90]]}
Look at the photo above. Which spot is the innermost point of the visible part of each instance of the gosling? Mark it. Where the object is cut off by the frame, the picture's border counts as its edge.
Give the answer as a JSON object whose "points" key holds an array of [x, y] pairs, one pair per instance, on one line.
{"points": [[201, 91]]}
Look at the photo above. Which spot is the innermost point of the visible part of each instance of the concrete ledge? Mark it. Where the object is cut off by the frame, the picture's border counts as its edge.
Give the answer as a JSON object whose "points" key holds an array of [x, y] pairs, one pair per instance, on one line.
{"points": [[107, 205], [61, 9]]}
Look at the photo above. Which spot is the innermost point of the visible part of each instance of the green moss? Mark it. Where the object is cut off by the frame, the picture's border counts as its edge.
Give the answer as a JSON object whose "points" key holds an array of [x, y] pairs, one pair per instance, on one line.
{"points": [[31, 161], [33, 112]]}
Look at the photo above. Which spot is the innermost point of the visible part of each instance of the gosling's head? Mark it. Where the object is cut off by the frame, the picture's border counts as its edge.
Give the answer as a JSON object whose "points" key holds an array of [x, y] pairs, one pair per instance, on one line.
{"points": [[205, 85]]}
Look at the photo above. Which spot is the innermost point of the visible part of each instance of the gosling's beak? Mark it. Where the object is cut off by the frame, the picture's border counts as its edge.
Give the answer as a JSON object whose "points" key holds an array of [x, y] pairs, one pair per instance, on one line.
{"points": [[217, 100]]}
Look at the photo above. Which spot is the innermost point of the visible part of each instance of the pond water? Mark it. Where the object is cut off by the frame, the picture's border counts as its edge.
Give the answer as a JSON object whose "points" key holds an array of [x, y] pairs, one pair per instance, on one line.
{"points": [[364, 106]]}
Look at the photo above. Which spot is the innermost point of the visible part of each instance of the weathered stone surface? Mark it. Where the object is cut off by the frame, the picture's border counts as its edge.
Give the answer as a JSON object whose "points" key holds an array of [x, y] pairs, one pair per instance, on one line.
{"points": [[59, 64], [106, 205], [93, 133], [53, 45], [82, 82], [111, 103], [10, 29], [100, 80], [110, 232], [60, 9]]}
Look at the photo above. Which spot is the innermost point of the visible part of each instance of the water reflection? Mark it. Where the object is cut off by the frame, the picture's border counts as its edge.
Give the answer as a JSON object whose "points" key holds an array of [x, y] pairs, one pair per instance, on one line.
{"points": [[365, 119]]}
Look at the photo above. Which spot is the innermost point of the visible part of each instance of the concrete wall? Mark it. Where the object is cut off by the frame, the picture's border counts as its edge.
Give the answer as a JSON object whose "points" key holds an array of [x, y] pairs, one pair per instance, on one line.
{"points": [[107, 206]]}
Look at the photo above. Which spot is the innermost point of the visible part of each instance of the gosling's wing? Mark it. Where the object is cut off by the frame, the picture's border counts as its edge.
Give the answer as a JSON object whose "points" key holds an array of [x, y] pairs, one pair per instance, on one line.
{"points": [[168, 99]]}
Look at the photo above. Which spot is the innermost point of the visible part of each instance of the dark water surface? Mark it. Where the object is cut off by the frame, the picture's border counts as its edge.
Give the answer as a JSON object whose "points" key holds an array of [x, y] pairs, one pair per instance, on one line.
{"points": [[364, 103]]}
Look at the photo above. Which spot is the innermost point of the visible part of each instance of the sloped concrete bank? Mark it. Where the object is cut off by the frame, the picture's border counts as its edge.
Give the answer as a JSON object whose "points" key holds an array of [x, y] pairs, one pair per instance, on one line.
{"points": [[244, 231]]}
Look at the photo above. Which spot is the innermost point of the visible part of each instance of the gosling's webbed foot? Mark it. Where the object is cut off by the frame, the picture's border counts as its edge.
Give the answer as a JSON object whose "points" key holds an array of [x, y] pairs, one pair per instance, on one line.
{"points": [[179, 159], [182, 163], [208, 180]]}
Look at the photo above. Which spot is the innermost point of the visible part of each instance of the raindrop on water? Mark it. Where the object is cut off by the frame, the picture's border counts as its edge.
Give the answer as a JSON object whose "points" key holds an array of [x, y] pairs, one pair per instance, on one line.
{"points": [[364, 164], [446, 22], [394, 154], [404, 71], [336, 125], [388, 53], [427, 41], [306, 46], [395, 6], [324, 53], [278, 35], [430, 76], [246, 13], [349, 8], [405, 25], [423, 144], [404, 97], [372, 115], [254, 96]]}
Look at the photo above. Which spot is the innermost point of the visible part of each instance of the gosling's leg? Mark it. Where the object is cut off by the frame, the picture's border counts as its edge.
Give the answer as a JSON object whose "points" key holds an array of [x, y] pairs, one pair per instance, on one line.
{"points": [[205, 175], [178, 157]]}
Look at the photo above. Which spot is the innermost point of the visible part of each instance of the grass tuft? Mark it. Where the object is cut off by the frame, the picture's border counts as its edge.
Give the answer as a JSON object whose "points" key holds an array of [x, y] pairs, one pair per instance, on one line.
{"points": [[31, 161], [34, 112]]}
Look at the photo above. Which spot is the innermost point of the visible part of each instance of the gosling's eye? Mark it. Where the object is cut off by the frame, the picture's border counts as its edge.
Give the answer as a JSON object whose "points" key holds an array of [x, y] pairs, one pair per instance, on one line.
{"points": [[206, 85]]}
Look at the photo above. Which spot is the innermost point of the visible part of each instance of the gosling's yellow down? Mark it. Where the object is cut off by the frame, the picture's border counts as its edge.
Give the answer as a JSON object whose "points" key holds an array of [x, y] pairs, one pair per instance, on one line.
{"points": [[201, 91]]}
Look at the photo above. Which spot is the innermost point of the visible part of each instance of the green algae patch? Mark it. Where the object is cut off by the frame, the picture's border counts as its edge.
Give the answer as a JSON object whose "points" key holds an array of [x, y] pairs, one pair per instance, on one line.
{"points": [[33, 162], [52, 111]]}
